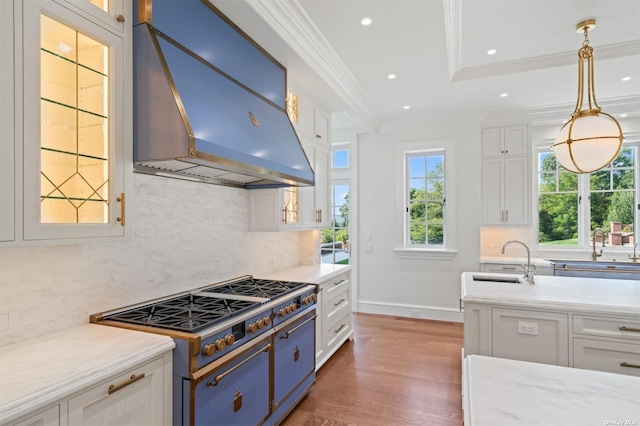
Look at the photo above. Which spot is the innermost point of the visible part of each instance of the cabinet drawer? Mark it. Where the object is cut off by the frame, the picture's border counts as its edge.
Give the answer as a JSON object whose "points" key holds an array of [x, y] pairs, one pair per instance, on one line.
{"points": [[132, 398], [338, 329], [624, 328], [502, 268], [337, 301], [336, 285], [49, 417], [614, 357]]}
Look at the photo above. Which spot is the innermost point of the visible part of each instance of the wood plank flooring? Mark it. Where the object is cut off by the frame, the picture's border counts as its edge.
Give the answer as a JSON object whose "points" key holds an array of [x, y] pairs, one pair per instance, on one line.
{"points": [[397, 371]]}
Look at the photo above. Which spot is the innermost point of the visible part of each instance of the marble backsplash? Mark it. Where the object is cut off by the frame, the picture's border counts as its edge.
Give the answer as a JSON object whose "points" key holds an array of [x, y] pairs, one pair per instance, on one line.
{"points": [[185, 235]]}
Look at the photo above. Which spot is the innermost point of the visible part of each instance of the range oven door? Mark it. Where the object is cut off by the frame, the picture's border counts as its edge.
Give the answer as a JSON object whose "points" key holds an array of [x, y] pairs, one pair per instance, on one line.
{"points": [[294, 361], [234, 393]]}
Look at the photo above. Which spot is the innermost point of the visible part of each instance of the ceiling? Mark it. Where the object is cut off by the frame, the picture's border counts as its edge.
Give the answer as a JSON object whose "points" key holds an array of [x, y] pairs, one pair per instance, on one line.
{"points": [[438, 51]]}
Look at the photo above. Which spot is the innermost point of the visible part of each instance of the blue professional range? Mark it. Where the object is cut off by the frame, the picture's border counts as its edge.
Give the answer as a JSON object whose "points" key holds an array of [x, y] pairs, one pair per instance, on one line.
{"points": [[245, 348]]}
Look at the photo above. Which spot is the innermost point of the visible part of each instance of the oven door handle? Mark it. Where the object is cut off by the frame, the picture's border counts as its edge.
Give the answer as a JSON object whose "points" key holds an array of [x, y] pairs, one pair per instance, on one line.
{"points": [[294, 329], [221, 376]]}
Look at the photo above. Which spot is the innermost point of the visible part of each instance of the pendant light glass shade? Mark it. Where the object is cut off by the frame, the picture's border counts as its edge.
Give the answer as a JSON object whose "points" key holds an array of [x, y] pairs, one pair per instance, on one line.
{"points": [[588, 143], [592, 138]]}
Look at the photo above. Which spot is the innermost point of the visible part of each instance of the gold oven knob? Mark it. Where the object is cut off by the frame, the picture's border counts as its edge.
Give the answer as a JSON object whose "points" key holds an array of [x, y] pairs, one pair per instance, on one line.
{"points": [[260, 323], [230, 339], [283, 312], [208, 349], [292, 307], [220, 344], [267, 320], [253, 327]]}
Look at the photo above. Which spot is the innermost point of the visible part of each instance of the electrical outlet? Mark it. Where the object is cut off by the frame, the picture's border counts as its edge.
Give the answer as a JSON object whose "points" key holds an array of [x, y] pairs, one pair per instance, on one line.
{"points": [[528, 328]]}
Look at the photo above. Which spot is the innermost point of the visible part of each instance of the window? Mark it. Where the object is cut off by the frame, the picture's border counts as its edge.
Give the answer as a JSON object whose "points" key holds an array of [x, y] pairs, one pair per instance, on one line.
{"points": [[424, 196], [571, 206], [340, 159], [335, 240]]}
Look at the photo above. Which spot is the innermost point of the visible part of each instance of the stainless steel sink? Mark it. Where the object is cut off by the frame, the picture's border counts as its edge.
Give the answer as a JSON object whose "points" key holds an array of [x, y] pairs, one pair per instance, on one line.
{"points": [[596, 269], [496, 279]]}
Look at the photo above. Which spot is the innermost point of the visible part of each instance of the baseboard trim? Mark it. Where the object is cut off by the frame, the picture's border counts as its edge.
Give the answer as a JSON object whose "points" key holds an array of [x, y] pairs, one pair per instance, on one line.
{"points": [[410, 311]]}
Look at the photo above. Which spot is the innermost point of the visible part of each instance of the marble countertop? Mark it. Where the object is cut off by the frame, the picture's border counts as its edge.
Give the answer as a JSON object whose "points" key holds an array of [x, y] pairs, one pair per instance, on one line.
{"points": [[308, 273], [43, 370], [595, 295], [511, 393]]}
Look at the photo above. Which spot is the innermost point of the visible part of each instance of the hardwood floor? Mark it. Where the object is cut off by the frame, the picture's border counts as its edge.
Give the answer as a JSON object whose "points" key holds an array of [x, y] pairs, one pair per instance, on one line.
{"points": [[397, 371]]}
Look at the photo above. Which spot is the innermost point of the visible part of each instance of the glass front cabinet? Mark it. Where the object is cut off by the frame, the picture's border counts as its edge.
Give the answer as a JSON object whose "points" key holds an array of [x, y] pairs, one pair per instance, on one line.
{"points": [[75, 117]]}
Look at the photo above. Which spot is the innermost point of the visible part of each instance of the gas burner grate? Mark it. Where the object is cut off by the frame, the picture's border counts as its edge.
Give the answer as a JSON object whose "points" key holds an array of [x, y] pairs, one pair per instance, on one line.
{"points": [[185, 313], [257, 288]]}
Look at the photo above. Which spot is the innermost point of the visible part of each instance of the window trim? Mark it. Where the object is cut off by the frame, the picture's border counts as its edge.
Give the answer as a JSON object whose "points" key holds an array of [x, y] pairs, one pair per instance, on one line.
{"points": [[448, 250], [584, 245]]}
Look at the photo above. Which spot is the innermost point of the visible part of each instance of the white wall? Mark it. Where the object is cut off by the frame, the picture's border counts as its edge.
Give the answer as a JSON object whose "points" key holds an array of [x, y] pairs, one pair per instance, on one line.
{"points": [[185, 235], [412, 287]]}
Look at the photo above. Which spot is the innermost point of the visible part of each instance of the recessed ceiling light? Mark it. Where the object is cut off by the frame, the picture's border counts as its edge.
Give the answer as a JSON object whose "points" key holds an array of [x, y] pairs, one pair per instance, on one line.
{"points": [[504, 95], [626, 78], [366, 21], [391, 76], [406, 107], [623, 115], [491, 52]]}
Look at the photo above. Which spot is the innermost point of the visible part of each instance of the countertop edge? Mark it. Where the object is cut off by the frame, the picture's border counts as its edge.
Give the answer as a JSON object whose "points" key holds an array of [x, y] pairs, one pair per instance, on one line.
{"points": [[309, 273]]}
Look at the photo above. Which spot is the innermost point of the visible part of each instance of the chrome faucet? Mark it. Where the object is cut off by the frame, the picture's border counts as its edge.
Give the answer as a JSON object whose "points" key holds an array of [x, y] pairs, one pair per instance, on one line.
{"points": [[528, 271], [635, 258], [594, 255]]}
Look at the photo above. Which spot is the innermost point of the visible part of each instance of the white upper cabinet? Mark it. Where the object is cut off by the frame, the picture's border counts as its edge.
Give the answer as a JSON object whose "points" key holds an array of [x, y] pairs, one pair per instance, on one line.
{"points": [[315, 200], [111, 13], [505, 176], [313, 122], [505, 141], [74, 119]]}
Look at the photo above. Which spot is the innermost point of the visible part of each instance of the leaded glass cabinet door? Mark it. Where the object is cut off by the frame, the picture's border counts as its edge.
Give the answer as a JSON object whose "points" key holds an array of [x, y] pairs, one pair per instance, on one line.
{"points": [[73, 131]]}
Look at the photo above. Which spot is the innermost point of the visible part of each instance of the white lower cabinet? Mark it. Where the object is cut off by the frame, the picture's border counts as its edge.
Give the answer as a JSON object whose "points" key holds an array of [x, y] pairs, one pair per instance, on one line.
{"points": [[133, 398], [141, 396], [333, 325], [574, 339], [530, 336]]}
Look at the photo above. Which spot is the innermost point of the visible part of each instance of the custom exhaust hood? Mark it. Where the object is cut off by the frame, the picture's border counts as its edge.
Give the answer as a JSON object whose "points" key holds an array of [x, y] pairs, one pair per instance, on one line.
{"points": [[209, 103]]}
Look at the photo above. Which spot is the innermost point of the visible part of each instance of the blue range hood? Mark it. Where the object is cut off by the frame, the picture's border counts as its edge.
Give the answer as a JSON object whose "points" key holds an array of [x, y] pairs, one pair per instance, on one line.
{"points": [[194, 120]]}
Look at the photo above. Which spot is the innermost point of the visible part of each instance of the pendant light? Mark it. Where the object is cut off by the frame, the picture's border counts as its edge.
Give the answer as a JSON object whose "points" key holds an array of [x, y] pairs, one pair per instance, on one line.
{"points": [[592, 138]]}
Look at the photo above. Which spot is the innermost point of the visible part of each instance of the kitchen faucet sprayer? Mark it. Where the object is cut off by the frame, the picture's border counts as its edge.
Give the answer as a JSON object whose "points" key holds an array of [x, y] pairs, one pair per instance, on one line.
{"points": [[528, 272], [594, 255]]}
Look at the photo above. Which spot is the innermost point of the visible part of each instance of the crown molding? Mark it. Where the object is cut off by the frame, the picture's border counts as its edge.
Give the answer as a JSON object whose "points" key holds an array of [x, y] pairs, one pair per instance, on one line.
{"points": [[289, 20], [453, 32], [611, 51]]}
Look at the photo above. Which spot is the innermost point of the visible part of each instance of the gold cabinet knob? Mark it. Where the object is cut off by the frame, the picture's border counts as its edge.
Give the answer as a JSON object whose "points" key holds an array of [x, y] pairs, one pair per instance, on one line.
{"points": [[120, 18]]}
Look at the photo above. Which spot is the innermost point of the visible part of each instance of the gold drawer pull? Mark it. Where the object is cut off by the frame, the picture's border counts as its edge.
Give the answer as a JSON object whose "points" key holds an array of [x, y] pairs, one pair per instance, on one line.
{"points": [[626, 364], [133, 379], [339, 282], [296, 328], [339, 328], [120, 199], [635, 330], [337, 303], [221, 376]]}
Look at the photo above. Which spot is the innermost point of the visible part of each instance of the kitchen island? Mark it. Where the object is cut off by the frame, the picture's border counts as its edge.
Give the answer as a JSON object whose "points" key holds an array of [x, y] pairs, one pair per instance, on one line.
{"points": [[507, 392], [568, 321]]}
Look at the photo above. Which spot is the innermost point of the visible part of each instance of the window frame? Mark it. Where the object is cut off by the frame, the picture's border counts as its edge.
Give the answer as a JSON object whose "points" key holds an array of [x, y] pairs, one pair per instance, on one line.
{"points": [[403, 249], [584, 207]]}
